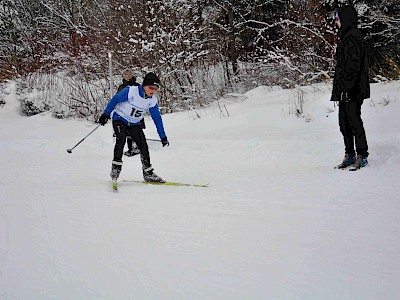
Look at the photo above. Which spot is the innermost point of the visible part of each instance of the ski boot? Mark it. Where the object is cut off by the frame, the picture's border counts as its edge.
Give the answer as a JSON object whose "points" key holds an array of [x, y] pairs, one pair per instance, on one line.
{"points": [[150, 176], [115, 171]]}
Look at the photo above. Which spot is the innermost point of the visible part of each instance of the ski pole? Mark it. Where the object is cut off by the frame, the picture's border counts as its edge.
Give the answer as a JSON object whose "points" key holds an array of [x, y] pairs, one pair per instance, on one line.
{"points": [[70, 150], [153, 140]]}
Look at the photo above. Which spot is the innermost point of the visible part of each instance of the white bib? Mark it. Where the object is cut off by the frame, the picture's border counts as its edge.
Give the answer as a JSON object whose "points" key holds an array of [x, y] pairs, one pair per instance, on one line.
{"points": [[135, 107]]}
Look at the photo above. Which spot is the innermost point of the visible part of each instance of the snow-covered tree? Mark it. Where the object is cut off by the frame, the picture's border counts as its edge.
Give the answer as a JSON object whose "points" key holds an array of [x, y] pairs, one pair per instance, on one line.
{"points": [[13, 45], [380, 23], [200, 48]]}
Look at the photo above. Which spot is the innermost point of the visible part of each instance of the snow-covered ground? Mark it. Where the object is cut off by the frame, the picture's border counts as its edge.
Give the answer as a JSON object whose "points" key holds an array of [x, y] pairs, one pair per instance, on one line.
{"points": [[276, 222]]}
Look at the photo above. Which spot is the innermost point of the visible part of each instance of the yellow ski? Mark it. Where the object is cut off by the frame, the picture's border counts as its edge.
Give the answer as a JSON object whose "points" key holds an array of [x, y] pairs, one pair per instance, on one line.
{"points": [[168, 183]]}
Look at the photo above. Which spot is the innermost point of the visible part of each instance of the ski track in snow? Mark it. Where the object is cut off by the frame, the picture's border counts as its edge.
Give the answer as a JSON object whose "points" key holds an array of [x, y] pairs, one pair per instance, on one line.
{"points": [[4, 234], [276, 222]]}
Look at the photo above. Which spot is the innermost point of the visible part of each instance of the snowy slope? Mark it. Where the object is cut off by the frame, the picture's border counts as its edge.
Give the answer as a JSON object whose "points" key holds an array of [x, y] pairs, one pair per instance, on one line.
{"points": [[276, 222]]}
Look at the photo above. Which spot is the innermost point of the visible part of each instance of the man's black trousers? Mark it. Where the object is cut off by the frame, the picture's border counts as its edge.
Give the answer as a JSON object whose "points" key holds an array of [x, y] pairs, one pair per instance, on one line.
{"points": [[352, 128]]}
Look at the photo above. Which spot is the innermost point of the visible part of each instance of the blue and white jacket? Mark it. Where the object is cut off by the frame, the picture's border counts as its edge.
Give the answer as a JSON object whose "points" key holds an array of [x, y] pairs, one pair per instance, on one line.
{"points": [[130, 105]]}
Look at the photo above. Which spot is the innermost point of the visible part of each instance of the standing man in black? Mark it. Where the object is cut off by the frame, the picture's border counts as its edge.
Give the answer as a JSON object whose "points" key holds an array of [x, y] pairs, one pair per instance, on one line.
{"points": [[351, 87], [129, 80]]}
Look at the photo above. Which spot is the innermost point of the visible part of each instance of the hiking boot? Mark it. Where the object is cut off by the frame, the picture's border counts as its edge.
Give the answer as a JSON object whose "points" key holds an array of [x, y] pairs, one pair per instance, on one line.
{"points": [[348, 160], [360, 162], [132, 152]]}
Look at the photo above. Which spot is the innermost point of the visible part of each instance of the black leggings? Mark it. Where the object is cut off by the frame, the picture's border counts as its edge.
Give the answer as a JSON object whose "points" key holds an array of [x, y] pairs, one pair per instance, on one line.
{"points": [[136, 133]]}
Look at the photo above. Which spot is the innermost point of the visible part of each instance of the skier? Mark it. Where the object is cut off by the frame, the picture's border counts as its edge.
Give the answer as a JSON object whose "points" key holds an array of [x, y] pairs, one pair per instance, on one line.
{"points": [[351, 87], [128, 107], [129, 80]]}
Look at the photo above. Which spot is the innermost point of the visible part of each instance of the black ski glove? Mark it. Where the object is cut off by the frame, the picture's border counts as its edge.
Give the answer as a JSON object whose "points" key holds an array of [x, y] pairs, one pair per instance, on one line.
{"points": [[164, 141], [103, 119]]}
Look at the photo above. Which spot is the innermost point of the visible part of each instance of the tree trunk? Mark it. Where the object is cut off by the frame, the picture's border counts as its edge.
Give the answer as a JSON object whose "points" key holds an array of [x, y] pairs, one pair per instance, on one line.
{"points": [[231, 39]]}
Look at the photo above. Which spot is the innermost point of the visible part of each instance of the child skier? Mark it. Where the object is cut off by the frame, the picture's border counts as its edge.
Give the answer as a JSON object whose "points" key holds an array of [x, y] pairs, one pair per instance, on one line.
{"points": [[129, 107]]}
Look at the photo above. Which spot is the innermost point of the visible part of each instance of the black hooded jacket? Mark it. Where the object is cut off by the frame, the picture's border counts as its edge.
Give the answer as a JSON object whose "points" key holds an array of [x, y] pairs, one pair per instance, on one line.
{"points": [[126, 83], [351, 80]]}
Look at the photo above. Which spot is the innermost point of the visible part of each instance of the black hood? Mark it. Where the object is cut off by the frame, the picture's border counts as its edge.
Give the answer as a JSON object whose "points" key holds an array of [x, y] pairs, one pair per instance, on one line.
{"points": [[129, 82], [348, 18]]}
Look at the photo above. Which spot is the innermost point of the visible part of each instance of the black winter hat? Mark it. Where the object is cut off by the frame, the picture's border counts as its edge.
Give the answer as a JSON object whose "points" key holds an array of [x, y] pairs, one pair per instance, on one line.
{"points": [[151, 79]]}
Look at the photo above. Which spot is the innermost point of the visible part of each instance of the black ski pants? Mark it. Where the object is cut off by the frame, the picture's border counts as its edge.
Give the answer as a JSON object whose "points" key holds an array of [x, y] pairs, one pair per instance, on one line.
{"points": [[352, 128], [129, 139], [136, 133]]}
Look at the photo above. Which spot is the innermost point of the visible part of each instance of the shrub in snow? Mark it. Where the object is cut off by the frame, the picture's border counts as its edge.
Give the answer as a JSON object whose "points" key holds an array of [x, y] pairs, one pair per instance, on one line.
{"points": [[30, 109], [3, 92], [62, 95], [2, 101]]}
